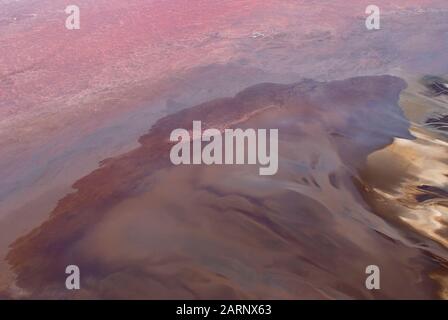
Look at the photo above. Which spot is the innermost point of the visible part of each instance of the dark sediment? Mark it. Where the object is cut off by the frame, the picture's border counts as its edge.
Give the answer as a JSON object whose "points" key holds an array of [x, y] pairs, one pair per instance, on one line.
{"points": [[188, 232]]}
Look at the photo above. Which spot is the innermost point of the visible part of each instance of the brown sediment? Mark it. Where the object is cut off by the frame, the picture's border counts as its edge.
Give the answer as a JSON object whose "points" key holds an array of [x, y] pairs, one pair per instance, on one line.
{"points": [[406, 183], [441, 276], [140, 228]]}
